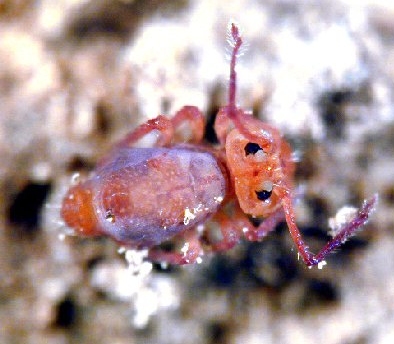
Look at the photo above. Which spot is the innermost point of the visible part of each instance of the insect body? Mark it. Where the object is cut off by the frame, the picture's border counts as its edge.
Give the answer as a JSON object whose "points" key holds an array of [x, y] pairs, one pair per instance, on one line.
{"points": [[142, 197]]}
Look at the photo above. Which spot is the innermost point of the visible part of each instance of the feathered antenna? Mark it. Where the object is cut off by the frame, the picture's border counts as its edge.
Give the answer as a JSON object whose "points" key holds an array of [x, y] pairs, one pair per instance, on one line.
{"points": [[239, 117], [235, 41]]}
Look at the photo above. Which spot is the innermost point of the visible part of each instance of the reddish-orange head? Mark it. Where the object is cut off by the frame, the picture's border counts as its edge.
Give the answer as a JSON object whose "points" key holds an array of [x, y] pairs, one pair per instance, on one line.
{"points": [[77, 210], [261, 166]]}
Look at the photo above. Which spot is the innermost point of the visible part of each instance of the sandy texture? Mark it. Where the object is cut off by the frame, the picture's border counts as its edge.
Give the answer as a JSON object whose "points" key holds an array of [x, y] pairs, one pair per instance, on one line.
{"points": [[76, 75]]}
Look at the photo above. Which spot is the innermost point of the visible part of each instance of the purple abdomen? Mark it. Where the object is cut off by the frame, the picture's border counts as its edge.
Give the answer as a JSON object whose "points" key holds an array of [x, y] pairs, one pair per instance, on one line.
{"points": [[144, 196]]}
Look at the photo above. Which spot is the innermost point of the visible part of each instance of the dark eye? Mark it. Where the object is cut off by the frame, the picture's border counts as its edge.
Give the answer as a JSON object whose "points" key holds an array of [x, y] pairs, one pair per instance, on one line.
{"points": [[252, 148], [263, 194]]}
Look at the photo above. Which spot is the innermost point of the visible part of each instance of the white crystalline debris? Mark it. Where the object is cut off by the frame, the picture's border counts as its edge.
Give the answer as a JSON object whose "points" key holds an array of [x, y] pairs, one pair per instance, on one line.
{"points": [[136, 284], [120, 282], [75, 178], [137, 265], [61, 236], [161, 294], [188, 216], [343, 216], [218, 199], [145, 305], [185, 248]]}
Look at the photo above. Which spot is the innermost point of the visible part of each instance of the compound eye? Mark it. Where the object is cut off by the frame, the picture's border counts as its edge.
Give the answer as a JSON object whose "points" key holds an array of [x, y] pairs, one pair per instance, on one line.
{"points": [[263, 195], [252, 148]]}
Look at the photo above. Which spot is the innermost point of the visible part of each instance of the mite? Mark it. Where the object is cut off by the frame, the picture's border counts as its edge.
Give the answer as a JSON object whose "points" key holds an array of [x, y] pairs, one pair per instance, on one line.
{"points": [[143, 197]]}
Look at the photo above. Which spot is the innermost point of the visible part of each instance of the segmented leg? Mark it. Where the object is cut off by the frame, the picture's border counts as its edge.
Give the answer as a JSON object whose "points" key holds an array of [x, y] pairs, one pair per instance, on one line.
{"points": [[190, 115], [190, 252], [342, 235], [268, 225], [166, 128], [223, 125], [162, 124], [230, 229]]}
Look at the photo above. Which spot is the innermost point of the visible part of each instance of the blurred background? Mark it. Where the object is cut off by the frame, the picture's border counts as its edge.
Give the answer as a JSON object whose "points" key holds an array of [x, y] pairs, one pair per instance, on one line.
{"points": [[76, 75]]}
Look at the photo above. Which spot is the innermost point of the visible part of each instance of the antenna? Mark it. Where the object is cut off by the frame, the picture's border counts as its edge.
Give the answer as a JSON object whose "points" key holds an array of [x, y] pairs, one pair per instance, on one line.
{"points": [[235, 41]]}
